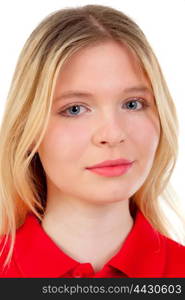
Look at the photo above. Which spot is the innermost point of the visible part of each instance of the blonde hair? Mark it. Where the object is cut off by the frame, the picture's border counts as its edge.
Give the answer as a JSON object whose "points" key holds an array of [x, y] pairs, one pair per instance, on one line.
{"points": [[27, 112]]}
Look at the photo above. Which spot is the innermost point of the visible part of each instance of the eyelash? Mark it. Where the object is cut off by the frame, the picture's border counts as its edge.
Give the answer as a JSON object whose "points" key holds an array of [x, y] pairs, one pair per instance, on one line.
{"points": [[140, 100]]}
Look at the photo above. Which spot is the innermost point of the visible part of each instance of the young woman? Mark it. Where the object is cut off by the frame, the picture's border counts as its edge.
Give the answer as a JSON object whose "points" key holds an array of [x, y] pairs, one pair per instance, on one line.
{"points": [[88, 144]]}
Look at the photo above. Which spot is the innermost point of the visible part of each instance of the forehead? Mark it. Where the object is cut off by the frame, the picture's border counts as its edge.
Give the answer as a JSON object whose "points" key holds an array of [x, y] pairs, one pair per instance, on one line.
{"points": [[105, 66]]}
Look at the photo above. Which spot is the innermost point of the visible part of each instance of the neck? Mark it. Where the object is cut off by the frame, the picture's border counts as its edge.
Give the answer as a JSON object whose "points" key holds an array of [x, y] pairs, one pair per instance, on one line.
{"points": [[79, 229]]}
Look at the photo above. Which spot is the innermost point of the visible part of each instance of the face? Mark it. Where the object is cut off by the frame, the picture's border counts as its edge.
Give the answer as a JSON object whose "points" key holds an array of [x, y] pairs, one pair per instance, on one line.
{"points": [[103, 109]]}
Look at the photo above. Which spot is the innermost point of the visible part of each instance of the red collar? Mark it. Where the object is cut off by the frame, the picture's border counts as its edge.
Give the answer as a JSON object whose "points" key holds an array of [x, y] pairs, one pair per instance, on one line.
{"points": [[36, 255]]}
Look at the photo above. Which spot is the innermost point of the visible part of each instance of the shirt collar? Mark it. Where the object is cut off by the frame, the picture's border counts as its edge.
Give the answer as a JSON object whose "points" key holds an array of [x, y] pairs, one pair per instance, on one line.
{"points": [[37, 255], [141, 255], [143, 251]]}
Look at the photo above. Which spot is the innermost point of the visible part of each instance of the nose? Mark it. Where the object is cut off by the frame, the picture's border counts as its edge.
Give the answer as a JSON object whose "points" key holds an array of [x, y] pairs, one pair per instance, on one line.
{"points": [[111, 143], [111, 133]]}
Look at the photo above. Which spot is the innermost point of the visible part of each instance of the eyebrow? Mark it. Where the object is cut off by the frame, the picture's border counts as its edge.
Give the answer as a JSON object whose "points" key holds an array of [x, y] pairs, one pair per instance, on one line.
{"points": [[84, 94]]}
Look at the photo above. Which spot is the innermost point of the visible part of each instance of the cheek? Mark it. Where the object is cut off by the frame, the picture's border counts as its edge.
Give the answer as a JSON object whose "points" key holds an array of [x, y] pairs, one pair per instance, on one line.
{"points": [[147, 136], [64, 142]]}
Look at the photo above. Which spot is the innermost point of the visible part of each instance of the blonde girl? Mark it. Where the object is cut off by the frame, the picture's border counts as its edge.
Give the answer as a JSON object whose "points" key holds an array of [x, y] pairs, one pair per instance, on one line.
{"points": [[88, 143]]}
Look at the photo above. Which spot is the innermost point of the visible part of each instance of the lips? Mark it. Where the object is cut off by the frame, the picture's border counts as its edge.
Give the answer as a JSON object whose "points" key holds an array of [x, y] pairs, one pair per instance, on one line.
{"points": [[111, 163], [115, 169]]}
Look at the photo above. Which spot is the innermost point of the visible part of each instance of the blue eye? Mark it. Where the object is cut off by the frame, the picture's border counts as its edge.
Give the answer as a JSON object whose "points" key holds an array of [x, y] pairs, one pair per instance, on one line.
{"points": [[73, 111], [131, 105]]}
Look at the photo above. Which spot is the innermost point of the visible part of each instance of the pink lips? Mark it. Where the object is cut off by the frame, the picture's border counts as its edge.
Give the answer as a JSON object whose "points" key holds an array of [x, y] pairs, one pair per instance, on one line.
{"points": [[112, 167]]}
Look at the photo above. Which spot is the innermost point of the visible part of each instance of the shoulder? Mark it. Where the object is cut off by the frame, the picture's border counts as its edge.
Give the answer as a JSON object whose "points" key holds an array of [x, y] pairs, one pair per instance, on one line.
{"points": [[174, 263], [10, 269], [3, 254], [174, 248], [26, 236]]}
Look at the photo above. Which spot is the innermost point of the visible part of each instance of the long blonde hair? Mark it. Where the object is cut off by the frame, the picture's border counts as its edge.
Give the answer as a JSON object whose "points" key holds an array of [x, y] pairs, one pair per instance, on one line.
{"points": [[22, 178]]}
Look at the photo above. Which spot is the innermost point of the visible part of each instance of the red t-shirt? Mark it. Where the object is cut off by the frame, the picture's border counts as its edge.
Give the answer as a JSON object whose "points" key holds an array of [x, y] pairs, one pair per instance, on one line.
{"points": [[144, 253]]}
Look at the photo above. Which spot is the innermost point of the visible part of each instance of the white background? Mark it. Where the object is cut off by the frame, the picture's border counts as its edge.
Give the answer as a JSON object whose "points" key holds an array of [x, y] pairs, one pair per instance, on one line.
{"points": [[163, 22]]}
